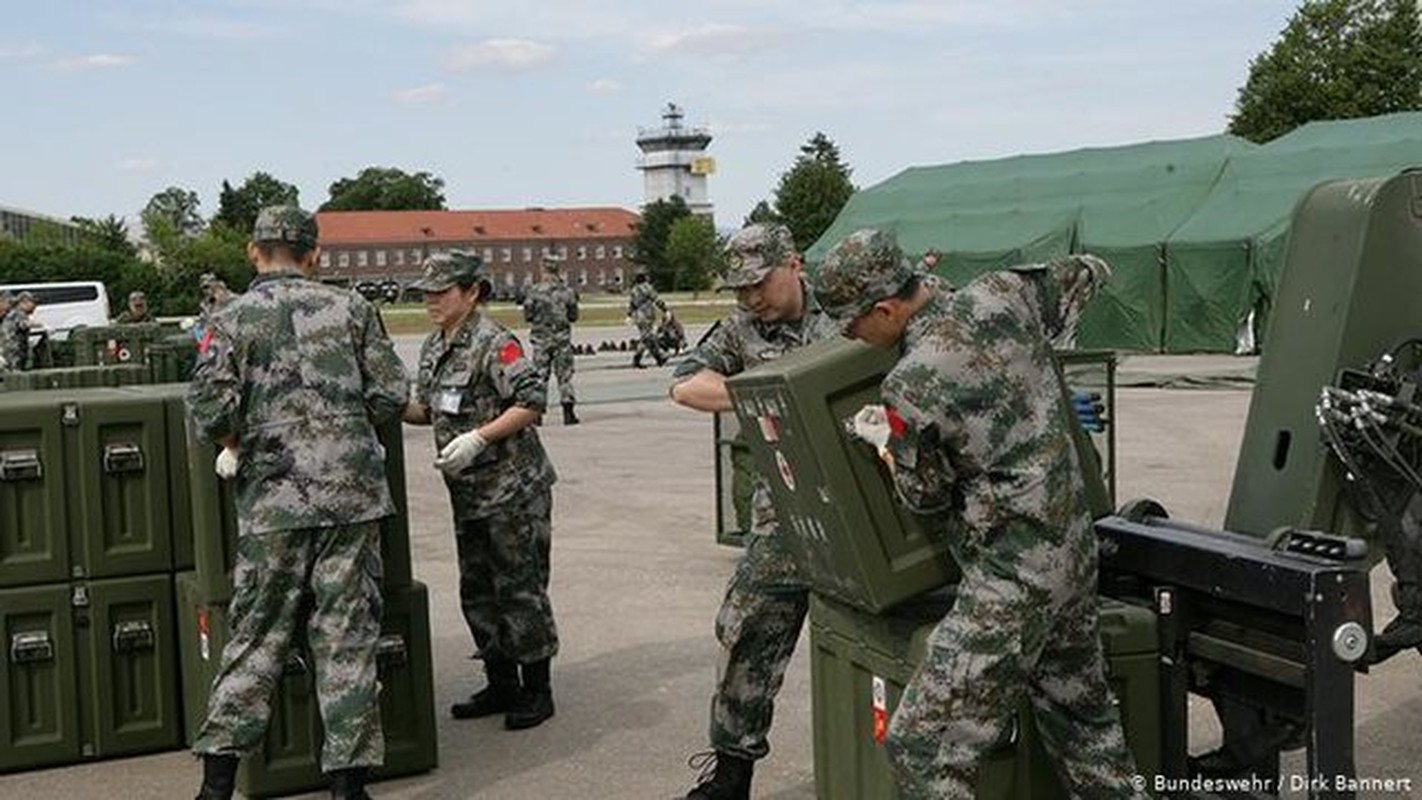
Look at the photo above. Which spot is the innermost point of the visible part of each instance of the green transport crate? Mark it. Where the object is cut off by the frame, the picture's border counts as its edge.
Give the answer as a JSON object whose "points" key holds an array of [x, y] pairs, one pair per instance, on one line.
{"points": [[34, 509], [214, 517], [859, 664], [171, 396], [289, 760], [90, 671], [76, 377], [851, 537], [115, 344], [172, 358], [735, 480]]}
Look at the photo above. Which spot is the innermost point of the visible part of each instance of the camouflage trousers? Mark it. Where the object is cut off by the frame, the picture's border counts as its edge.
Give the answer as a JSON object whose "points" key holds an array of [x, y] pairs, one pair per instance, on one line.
{"points": [[1004, 639], [327, 579], [503, 580], [758, 626], [647, 340], [554, 357]]}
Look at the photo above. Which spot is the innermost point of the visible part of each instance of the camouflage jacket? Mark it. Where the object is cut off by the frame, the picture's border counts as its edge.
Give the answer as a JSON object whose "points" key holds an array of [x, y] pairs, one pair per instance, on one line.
{"points": [[300, 373], [130, 318], [977, 414], [643, 302], [742, 341], [467, 380], [15, 339], [551, 308]]}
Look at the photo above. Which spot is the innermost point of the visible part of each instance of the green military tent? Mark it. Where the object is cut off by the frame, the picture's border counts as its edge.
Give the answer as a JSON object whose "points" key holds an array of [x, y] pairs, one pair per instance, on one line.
{"points": [[1194, 228]]}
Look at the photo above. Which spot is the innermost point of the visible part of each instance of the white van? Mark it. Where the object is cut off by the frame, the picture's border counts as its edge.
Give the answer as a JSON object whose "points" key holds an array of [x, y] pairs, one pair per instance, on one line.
{"points": [[64, 306]]}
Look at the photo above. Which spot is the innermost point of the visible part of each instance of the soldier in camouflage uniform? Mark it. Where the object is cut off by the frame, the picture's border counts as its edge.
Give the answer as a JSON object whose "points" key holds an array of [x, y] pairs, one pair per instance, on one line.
{"points": [[7, 301], [15, 332], [766, 601], [294, 380], [551, 308], [483, 396], [974, 430], [137, 310], [643, 305]]}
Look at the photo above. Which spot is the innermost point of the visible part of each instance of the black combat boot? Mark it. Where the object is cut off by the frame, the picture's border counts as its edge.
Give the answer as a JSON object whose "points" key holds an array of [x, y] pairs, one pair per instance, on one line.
{"points": [[723, 776], [637, 359], [499, 696], [349, 784], [219, 777], [535, 702], [569, 418]]}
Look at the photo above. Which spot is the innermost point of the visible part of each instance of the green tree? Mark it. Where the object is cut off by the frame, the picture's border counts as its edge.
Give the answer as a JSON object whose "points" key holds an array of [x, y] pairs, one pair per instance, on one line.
{"points": [[386, 189], [109, 233], [692, 251], [649, 240], [170, 217], [237, 208], [762, 213], [812, 192], [1336, 59]]}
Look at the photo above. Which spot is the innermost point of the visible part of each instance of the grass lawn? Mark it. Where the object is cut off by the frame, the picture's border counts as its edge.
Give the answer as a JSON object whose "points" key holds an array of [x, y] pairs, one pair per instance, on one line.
{"points": [[593, 311]]}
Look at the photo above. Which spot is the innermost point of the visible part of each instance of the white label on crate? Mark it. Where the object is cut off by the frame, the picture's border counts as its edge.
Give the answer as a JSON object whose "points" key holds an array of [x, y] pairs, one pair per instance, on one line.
{"points": [[785, 474], [769, 431], [879, 692], [204, 643]]}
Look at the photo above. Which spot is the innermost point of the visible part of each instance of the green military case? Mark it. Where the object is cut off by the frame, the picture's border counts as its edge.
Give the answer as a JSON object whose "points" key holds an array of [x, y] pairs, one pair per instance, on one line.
{"points": [[117, 473], [214, 517], [90, 672], [172, 358], [115, 344], [860, 663], [1350, 289], [735, 480], [34, 509], [289, 759], [835, 503], [171, 396]]}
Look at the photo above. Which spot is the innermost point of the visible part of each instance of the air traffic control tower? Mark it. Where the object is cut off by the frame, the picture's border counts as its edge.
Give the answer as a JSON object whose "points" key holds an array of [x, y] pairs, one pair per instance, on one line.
{"points": [[674, 161]]}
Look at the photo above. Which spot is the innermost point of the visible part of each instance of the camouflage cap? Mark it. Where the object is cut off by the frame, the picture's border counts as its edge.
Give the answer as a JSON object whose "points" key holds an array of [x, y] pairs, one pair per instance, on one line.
{"points": [[753, 252], [864, 268], [445, 270], [23, 296], [286, 225], [136, 295]]}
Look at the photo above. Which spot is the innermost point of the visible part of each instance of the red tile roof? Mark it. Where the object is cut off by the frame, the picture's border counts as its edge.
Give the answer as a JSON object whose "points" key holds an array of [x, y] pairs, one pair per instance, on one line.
{"points": [[352, 227]]}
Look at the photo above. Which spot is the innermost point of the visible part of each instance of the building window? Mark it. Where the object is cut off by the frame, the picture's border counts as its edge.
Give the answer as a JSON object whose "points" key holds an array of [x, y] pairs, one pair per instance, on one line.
{"points": [[363, 259], [508, 279], [527, 254], [506, 254], [399, 258], [325, 259], [379, 258], [489, 258], [582, 253], [343, 260], [527, 278], [582, 277], [617, 251], [415, 257], [600, 253]]}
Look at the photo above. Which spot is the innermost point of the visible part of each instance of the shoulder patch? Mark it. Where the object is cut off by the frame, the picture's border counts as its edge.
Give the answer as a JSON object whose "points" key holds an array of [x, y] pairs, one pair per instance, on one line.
{"points": [[897, 425], [510, 353]]}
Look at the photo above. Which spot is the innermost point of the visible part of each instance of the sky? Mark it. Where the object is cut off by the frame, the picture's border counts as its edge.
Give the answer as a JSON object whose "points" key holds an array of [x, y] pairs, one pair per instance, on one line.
{"points": [[517, 104]]}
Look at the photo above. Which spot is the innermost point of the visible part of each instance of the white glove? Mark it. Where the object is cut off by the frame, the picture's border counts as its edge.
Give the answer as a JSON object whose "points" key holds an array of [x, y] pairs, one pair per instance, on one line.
{"points": [[460, 452], [227, 461], [872, 425]]}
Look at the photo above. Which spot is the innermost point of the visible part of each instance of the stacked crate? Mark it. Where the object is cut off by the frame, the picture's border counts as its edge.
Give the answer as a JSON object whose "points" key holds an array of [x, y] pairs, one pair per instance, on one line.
{"points": [[289, 759], [882, 579], [89, 667]]}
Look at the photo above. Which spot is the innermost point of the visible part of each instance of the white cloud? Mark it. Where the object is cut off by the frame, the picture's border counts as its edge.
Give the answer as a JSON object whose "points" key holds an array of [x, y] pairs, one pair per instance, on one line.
{"points": [[20, 52], [197, 27], [502, 54], [605, 86], [137, 164], [93, 61], [420, 95], [711, 39]]}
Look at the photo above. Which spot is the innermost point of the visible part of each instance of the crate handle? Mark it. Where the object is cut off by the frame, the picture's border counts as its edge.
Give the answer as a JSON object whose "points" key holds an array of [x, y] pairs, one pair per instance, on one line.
{"points": [[31, 647], [20, 465], [390, 651], [122, 457], [133, 637]]}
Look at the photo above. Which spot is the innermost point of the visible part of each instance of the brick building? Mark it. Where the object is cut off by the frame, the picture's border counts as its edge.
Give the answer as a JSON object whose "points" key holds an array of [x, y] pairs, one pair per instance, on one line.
{"points": [[596, 243]]}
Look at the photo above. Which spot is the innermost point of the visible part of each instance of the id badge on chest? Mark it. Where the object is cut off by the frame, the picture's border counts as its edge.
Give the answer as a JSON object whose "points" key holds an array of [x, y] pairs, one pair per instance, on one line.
{"points": [[448, 401]]}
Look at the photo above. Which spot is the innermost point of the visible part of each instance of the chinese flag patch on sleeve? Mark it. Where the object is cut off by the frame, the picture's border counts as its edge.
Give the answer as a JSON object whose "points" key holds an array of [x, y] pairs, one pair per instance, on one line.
{"points": [[897, 426], [510, 353]]}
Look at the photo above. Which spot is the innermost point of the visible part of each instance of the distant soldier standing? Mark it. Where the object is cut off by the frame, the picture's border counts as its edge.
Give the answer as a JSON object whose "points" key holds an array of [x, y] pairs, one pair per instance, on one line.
{"points": [[137, 310], [7, 301], [643, 305], [15, 332], [295, 376], [482, 396], [974, 427], [551, 308]]}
